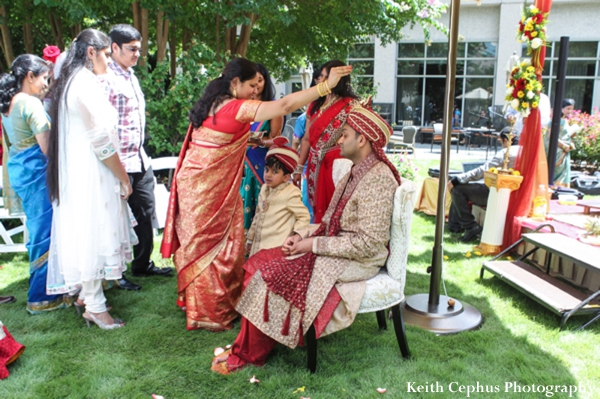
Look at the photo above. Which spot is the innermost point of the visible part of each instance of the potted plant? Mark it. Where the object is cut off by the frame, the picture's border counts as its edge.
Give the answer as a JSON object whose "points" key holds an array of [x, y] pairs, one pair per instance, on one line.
{"points": [[592, 231]]}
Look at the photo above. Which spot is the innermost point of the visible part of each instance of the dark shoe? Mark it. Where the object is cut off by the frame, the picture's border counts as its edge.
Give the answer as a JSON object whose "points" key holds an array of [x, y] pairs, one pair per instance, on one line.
{"points": [[453, 229], [125, 284], [154, 271], [7, 299], [472, 233]]}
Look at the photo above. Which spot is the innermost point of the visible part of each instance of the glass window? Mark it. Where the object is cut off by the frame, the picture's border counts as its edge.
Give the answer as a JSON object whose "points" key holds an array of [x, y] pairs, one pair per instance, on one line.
{"points": [[411, 67], [440, 50], [482, 67], [411, 50], [363, 50], [363, 67], [581, 68], [435, 67], [579, 49], [481, 50], [408, 100], [477, 99]]}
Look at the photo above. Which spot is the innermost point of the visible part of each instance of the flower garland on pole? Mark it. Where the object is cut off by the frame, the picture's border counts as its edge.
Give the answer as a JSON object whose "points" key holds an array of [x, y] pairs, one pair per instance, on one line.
{"points": [[531, 160], [532, 30]]}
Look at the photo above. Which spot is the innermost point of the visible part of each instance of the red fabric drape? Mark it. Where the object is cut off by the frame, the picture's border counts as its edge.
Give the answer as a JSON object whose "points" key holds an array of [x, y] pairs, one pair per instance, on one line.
{"points": [[529, 157]]}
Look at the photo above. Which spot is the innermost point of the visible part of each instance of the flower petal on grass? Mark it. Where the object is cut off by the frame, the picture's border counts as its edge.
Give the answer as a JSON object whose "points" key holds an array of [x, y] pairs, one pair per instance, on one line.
{"points": [[477, 253], [446, 257], [155, 396], [381, 390], [218, 351], [468, 255], [253, 380], [301, 389], [228, 347]]}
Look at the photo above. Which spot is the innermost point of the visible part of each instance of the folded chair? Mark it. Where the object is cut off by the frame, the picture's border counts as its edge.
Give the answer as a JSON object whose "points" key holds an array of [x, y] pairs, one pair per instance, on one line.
{"points": [[386, 289]]}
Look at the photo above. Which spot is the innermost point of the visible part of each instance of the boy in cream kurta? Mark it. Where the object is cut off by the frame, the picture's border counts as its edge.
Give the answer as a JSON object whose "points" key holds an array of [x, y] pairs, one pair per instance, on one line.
{"points": [[280, 209]]}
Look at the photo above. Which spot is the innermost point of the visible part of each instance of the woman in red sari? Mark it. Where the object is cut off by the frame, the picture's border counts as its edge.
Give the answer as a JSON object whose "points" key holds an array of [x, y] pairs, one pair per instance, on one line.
{"points": [[205, 221], [324, 120]]}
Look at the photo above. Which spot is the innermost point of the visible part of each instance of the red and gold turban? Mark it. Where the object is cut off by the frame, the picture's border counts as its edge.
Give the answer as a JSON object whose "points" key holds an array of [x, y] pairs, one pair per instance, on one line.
{"points": [[285, 155], [375, 129]]}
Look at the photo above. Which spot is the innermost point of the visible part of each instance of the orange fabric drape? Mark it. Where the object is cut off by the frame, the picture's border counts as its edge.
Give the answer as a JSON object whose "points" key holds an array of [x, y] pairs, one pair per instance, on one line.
{"points": [[531, 161]]}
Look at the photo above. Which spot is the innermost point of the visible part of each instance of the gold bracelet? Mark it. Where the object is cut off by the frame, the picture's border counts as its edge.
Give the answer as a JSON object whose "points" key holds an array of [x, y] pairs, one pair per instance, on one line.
{"points": [[319, 90], [327, 86]]}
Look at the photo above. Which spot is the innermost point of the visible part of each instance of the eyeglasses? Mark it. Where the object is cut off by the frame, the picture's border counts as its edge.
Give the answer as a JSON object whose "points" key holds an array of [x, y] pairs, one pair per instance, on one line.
{"points": [[133, 49]]}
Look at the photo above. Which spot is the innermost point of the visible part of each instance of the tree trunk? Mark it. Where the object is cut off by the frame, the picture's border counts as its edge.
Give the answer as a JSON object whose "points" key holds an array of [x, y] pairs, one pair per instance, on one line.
{"points": [[137, 17], [27, 30], [75, 30], [244, 39], [144, 33], [57, 31], [162, 35], [186, 39], [7, 48], [218, 36], [173, 52], [239, 46], [28, 36]]}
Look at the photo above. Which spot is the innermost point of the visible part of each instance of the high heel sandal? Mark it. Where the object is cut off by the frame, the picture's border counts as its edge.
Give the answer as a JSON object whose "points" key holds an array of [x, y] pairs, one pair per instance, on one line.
{"points": [[117, 323], [81, 308]]}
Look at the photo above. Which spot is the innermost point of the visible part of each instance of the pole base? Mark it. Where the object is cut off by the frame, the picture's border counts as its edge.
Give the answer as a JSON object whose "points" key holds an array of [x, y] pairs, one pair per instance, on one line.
{"points": [[442, 318], [488, 249]]}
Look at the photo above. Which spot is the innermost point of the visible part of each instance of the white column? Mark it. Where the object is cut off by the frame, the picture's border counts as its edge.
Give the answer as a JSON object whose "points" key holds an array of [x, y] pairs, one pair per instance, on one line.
{"points": [[495, 217]]}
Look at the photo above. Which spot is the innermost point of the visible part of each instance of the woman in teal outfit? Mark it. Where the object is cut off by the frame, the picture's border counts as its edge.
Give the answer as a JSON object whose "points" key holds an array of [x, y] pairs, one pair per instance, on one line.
{"points": [[25, 134], [254, 161]]}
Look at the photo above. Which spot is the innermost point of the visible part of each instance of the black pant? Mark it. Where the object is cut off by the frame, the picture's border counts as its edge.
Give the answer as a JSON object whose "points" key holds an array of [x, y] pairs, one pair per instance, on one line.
{"points": [[141, 203], [460, 212]]}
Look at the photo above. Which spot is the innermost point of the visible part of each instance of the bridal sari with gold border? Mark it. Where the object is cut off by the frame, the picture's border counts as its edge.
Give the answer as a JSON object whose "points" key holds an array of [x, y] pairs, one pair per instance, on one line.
{"points": [[205, 221]]}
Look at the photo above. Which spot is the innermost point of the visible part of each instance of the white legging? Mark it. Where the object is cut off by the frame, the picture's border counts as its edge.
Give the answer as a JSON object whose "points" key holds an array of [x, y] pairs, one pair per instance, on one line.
{"points": [[93, 297]]}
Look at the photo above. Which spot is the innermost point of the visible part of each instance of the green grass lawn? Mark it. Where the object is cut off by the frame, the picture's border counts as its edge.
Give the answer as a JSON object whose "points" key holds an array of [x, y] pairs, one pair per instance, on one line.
{"points": [[519, 342]]}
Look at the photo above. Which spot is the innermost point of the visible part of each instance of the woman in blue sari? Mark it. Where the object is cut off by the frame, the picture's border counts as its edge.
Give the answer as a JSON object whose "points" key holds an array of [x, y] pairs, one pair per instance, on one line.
{"points": [[254, 161], [25, 135]]}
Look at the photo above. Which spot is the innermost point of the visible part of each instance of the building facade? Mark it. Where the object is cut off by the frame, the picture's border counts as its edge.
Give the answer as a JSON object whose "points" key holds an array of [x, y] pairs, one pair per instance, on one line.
{"points": [[409, 76]]}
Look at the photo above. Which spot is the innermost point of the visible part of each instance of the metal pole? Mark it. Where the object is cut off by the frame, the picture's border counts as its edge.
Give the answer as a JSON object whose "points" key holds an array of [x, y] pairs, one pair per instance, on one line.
{"points": [[558, 99], [438, 246]]}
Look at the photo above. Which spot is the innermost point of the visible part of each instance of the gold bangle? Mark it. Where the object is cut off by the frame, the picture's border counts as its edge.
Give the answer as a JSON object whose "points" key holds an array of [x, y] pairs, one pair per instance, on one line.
{"points": [[319, 89], [327, 86]]}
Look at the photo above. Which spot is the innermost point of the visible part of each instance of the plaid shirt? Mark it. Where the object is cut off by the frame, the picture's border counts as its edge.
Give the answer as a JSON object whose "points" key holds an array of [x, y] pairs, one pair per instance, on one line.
{"points": [[124, 93]]}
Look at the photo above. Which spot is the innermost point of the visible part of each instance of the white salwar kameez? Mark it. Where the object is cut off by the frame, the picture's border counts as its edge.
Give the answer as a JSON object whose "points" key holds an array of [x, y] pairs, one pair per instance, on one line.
{"points": [[92, 234]]}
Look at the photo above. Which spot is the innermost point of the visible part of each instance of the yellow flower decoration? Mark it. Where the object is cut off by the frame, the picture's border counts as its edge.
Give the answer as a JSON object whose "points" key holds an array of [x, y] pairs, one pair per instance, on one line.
{"points": [[534, 104], [477, 253], [525, 104], [301, 389], [534, 10], [520, 94], [468, 255], [530, 69], [516, 173], [534, 34]]}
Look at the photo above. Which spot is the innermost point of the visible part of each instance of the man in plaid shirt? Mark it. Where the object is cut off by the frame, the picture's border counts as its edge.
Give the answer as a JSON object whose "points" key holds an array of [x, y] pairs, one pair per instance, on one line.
{"points": [[126, 96]]}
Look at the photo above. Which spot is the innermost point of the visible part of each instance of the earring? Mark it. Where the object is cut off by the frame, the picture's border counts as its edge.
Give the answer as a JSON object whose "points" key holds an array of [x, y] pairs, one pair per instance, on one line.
{"points": [[234, 93], [90, 65]]}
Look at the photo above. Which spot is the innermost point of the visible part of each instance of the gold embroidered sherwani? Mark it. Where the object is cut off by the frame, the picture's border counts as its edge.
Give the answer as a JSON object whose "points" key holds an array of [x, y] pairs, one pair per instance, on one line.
{"points": [[279, 212], [344, 261]]}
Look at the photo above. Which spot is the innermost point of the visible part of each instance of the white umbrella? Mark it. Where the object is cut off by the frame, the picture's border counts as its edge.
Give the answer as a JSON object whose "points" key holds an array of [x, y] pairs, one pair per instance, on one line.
{"points": [[477, 94]]}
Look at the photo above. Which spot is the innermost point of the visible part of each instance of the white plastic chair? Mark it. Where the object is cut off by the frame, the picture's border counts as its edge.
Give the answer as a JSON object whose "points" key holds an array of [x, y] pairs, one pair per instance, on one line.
{"points": [[161, 193], [7, 235], [386, 289]]}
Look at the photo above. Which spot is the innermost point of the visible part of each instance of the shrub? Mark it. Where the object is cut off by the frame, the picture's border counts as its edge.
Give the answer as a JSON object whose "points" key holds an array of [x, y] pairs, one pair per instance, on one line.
{"points": [[587, 141], [168, 101]]}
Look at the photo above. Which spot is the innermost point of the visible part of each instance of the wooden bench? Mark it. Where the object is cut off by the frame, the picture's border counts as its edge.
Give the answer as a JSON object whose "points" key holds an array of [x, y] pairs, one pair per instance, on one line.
{"points": [[557, 296]]}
